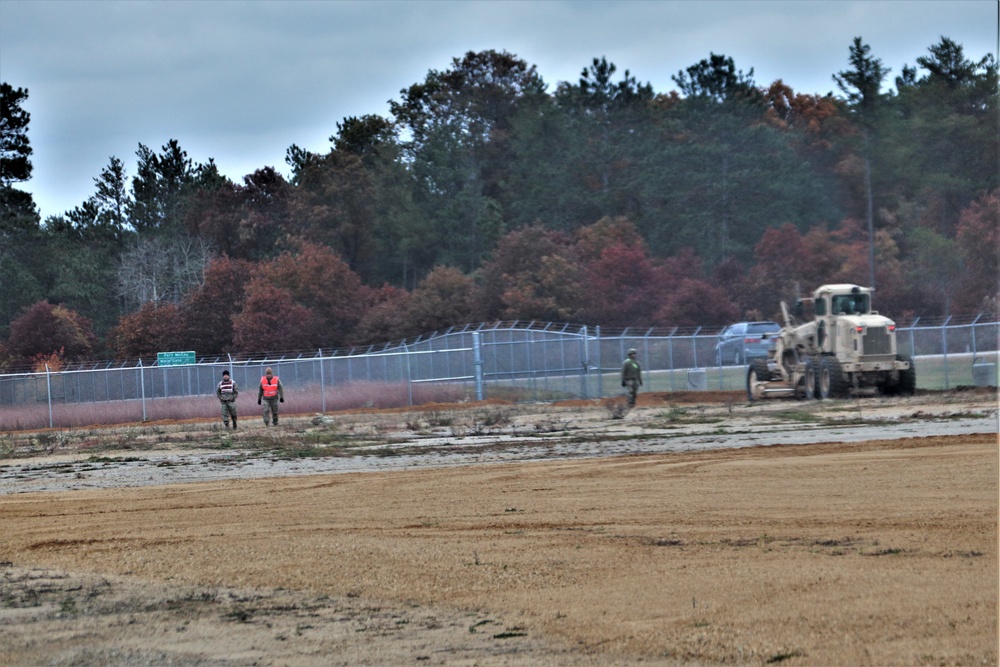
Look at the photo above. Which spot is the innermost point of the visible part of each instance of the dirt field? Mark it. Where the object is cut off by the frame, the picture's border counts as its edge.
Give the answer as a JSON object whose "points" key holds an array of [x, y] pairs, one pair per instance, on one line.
{"points": [[513, 535]]}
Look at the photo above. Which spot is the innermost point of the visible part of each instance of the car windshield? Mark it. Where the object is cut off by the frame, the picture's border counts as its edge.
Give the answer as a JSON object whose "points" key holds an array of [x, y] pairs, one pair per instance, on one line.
{"points": [[763, 327]]}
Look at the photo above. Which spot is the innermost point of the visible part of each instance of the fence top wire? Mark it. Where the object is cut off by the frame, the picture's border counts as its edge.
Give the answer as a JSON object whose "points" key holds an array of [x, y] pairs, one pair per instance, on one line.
{"points": [[553, 329]]}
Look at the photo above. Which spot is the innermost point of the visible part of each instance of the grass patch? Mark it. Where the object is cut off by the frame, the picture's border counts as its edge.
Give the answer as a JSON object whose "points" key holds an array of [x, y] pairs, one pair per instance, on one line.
{"points": [[513, 632], [785, 655], [677, 415], [799, 416]]}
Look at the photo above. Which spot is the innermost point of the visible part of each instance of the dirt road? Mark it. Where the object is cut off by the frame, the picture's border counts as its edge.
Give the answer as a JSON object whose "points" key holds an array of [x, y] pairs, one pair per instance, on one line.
{"points": [[878, 551]]}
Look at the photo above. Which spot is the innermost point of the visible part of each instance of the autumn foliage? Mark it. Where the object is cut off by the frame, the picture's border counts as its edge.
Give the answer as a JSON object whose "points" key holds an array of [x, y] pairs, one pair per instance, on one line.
{"points": [[484, 196], [44, 331]]}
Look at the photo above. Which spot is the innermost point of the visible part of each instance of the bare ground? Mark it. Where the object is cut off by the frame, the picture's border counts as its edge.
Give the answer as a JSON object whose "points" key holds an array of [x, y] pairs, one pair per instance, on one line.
{"points": [[677, 550]]}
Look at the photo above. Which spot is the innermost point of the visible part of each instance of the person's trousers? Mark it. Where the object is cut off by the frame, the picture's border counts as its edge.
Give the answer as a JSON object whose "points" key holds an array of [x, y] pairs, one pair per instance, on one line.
{"points": [[270, 411], [228, 411], [631, 389]]}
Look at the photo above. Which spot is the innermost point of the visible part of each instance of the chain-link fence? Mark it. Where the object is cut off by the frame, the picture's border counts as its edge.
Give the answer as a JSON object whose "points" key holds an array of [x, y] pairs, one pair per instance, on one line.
{"points": [[510, 361]]}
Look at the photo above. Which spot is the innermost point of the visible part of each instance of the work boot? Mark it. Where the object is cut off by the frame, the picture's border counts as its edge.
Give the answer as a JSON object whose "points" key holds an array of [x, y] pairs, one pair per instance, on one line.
{"points": [[234, 423]]}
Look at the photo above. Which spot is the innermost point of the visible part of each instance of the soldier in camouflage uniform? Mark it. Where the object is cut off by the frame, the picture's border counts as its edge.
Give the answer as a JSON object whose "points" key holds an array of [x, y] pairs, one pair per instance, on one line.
{"points": [[631, 377], [227, 391]]}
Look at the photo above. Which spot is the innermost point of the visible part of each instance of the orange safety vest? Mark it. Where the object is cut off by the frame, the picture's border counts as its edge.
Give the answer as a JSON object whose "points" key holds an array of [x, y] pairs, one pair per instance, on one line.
{"points": [[270, 390]]}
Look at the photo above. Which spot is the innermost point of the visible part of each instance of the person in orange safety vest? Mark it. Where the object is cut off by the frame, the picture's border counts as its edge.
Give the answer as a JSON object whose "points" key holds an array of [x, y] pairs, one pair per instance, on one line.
{"points": [[270, 394]]}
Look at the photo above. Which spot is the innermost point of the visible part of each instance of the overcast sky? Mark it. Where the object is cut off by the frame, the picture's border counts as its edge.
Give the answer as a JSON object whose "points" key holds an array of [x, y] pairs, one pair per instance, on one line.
{"points": [[241, 81]]}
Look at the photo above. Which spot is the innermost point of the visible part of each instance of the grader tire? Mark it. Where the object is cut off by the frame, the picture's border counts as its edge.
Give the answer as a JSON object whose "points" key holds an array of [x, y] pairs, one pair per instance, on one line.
{"points": [[806, 389], [907, 385], [831, 380]]}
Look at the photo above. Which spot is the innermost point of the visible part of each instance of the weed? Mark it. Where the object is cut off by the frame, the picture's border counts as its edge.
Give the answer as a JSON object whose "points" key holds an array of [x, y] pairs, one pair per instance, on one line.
{"points": [[114, 459], [674, 414], [780, 657], [513, 632], [552, 426], [300, 451], [440, 419], [799, 416], [890, 551], [667, 543], [617, 409], [239, 614], [489, 421], [68, 606], [678, 415], [472, 628]]}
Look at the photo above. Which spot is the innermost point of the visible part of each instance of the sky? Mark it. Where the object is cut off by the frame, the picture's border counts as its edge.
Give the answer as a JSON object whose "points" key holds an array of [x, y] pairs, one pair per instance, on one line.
{"points": [[240, 81]]}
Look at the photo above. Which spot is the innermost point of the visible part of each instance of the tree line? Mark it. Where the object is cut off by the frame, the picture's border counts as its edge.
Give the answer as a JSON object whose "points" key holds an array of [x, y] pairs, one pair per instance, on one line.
{"points": [[485, 196]]}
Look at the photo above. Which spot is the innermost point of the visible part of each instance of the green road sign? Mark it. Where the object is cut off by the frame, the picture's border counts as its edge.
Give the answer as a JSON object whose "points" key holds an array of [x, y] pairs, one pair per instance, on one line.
{"points": [[174, 358]]}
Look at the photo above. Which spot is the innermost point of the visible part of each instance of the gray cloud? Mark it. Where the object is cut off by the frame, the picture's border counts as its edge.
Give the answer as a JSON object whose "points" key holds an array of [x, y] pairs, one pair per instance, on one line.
{"points": [[241, 81]]}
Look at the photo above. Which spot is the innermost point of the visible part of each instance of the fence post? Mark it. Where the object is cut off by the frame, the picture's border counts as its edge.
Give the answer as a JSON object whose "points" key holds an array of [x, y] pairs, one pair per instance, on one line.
{"points": [[322, 383], [944, 349], [584, 362], [600, 367], [973, 327], [477, 361], [670, 351], [694, 347], [913, 344], [48, 391], [645, 358], [409, 381], [142, 387]]}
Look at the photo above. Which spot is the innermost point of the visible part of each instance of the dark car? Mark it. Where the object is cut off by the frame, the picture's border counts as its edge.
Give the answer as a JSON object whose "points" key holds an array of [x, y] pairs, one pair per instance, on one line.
{"points": [[743, 341]]}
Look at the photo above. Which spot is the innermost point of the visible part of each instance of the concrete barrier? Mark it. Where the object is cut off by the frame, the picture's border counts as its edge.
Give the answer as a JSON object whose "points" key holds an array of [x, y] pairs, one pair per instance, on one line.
{"points": [[984, 374], [697, 380]]}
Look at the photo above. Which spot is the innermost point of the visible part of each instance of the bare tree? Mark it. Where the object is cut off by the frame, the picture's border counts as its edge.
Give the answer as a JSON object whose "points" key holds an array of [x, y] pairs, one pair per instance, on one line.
{"points": [[161, 270]]}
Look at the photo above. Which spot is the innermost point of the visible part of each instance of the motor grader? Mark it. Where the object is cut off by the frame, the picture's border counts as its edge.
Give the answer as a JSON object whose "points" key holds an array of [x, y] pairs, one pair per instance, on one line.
{"points": [[845, 349]]}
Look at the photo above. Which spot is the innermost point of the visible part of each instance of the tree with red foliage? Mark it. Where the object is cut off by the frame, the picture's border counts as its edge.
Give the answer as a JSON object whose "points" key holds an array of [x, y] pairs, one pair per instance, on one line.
{"points": [[271, 321], [317, 279], [979, 237], [593, 239], [45, 329], [551, 292], [443, 298], [621, 287], [517, 275], [694, 302], [151, 329], [208, 311], [783, 269], [387, 318]]}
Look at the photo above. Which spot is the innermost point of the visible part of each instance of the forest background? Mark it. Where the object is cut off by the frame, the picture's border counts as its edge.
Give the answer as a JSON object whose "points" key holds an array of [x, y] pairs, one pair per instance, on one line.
{"points": [[484, 197]]}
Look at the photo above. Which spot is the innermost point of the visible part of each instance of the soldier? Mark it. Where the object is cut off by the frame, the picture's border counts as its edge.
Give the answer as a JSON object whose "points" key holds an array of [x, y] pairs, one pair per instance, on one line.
{"points": [[227, 391], [272, 393], [631, 376]]}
